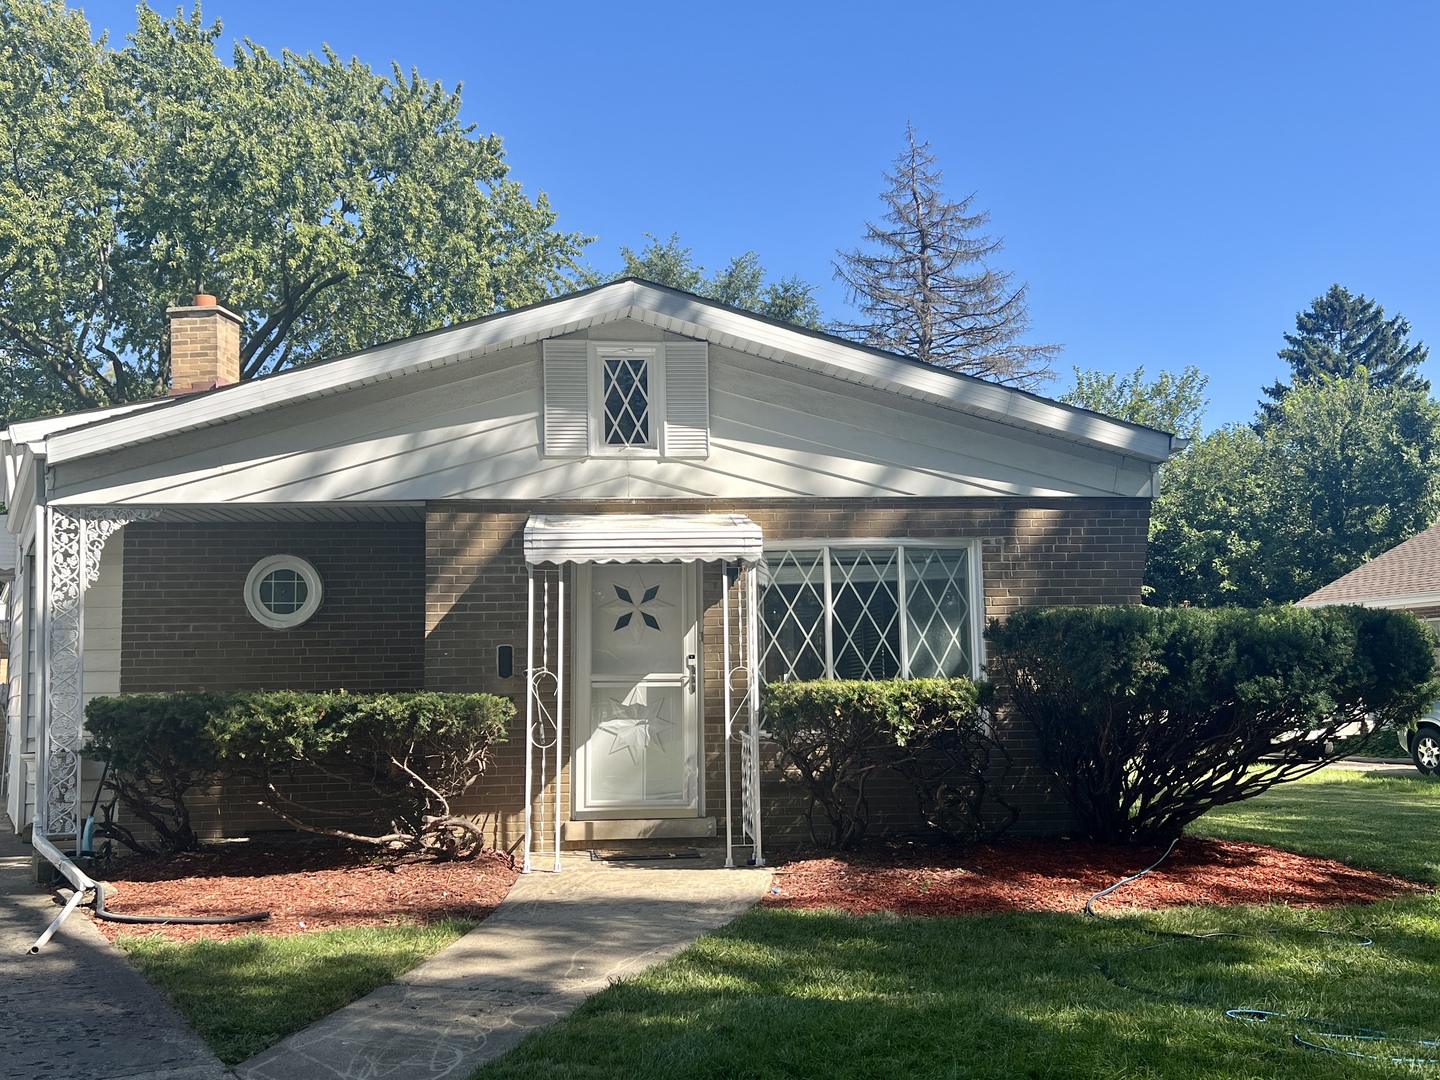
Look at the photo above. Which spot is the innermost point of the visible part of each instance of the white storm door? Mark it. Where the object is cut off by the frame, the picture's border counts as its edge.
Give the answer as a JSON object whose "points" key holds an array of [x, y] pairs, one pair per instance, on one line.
{"points": [[637, 739]]}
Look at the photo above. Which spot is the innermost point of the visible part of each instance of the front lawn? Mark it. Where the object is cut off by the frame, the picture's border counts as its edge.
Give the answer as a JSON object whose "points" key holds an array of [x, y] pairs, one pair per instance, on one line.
{"points": [[793, 993], [789, 993], [1376, 821], [244, 994]]}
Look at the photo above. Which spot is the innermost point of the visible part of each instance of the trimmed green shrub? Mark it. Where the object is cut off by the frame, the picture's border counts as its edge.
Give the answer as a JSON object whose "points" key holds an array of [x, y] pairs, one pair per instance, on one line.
{"points": [[836, 735], [158, 751], [1148, 717], [411, 753]]}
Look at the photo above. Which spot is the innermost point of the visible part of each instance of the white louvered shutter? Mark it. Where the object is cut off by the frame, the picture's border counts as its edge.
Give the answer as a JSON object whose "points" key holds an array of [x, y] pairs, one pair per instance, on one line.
{"points": [[567, 399], [687, 399]]}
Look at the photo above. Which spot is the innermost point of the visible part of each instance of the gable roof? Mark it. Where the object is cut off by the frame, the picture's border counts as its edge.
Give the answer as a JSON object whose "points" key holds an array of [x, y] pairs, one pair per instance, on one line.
{"points": [[76, 436], [1408, 575]]}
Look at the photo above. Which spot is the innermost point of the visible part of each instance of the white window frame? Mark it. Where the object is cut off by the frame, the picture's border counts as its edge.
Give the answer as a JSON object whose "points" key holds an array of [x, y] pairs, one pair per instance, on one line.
{"points": [[976, 585], [314, 594], [600, 351]]}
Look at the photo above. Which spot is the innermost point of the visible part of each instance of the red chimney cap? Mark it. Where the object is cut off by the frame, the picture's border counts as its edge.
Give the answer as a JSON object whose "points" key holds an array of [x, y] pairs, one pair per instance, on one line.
{"points": [[204, 299]]}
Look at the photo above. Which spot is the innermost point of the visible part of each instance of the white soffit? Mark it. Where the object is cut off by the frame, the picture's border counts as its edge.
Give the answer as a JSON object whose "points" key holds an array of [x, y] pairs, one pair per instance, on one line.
{"points": [[667, 309], [642, 538]]}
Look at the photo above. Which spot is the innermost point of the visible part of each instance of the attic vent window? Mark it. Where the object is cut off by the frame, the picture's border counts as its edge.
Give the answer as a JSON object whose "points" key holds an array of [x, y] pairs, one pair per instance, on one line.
{"points": [[283, 591], [626, 396], [626, 399]]}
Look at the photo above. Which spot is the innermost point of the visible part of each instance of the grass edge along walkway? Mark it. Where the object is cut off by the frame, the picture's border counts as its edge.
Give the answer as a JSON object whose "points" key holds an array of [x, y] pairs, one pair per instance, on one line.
{"points": [[246, 993]]}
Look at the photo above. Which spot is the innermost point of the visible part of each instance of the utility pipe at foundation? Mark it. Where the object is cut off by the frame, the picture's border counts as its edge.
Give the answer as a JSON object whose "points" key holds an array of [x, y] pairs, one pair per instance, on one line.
{"points": [[84, 883]]}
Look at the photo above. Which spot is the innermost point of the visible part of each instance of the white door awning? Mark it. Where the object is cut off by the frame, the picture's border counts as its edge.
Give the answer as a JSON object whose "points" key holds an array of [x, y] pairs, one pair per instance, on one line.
{"points": [[642, 538]]}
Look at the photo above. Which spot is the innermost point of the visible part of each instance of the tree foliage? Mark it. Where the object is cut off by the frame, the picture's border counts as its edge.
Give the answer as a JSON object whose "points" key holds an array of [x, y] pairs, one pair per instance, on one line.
{"points": [[331, 206], [741, 283], [1169, 402], [1149, 718], [1342, 471], [1341, 333], [925, 287]]}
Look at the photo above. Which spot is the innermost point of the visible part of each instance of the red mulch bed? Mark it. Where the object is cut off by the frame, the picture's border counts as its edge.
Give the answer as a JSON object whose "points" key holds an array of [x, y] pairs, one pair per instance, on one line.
{"points": [[310, 885], [305, 885], [1040, 875]]}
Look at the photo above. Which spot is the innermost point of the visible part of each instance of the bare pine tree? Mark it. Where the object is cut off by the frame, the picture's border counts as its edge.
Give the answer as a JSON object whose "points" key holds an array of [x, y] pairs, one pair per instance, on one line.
{"points": [[925, 286]]}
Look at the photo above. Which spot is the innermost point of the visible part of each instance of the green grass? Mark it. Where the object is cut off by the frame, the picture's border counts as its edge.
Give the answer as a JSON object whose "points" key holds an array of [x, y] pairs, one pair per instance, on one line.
{"points": [[824, 994], [782, 993], [244, 994], [1377, 822]]}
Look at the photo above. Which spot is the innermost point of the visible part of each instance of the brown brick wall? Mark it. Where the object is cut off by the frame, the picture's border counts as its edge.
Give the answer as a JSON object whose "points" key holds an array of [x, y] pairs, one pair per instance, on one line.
{"points": [[1034, 551], [186, 627]]}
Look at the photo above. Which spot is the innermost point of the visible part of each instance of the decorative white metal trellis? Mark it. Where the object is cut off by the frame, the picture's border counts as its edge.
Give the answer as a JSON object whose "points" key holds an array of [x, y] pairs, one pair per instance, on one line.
{"points": [[72, 544]]}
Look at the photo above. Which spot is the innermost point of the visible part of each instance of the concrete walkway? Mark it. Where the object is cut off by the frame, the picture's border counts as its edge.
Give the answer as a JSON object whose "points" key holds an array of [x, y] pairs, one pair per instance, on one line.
{"points": [[555, 940], [77, 1010]]}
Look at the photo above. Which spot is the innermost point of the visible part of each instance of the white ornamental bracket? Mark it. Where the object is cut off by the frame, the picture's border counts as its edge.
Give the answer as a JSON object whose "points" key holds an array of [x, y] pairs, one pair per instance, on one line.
{"points": [[75, 539]]}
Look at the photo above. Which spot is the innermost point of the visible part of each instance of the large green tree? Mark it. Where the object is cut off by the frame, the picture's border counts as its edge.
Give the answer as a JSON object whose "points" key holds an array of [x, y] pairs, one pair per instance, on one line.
{"points": [[1171, 402], [741, 283], [1339, 334], [329, 205], [1341, 471]]}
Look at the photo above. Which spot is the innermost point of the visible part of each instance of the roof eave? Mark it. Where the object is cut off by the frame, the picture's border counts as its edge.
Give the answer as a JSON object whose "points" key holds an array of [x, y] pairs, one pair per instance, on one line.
{"points": [[667, 308]]}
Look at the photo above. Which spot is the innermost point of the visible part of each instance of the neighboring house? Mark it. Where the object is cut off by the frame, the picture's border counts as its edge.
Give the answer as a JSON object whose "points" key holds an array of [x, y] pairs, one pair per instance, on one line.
{"points": [[644, 499], [1406, 577]]}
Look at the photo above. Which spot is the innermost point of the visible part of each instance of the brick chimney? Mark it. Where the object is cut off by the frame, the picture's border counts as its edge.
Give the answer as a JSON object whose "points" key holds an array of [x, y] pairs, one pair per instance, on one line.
{"points": [[204, 346]]}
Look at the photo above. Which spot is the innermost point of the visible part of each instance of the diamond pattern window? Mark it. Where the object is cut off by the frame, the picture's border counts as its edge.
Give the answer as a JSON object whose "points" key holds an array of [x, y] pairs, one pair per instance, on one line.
{"points": [[626, 398], [872, 612]]}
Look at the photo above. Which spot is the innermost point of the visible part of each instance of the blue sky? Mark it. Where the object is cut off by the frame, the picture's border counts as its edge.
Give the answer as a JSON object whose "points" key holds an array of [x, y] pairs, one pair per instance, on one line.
{"points": [[1174, 181]]}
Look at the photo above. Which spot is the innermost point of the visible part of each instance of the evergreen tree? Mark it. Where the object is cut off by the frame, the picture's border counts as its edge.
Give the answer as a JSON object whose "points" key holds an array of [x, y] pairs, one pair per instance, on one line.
{"points": [[925, 285], [1342, 333]]}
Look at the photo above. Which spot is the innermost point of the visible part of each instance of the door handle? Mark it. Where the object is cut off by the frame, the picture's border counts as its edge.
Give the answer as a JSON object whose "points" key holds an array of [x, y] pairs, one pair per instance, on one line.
{"points": [[691, 679]]}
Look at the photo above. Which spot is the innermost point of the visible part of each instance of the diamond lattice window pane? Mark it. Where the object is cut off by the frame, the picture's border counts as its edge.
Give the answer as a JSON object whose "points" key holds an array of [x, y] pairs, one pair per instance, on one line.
{"points": [[793, 616], [627, 401], [937, 605], [866, 629]]}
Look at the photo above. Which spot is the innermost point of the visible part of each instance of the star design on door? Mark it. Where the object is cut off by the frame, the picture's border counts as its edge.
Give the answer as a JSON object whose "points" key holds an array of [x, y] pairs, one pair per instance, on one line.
{"points": [[634, 727], [636, 607]]}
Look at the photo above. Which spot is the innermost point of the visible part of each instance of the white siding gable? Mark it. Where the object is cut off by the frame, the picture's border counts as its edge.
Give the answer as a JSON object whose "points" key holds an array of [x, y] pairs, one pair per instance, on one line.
{"points": [[484, 429]]}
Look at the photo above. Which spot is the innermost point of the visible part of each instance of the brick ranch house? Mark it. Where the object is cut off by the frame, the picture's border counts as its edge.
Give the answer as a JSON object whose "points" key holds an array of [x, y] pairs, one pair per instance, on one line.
{"points": [[621, 508]]}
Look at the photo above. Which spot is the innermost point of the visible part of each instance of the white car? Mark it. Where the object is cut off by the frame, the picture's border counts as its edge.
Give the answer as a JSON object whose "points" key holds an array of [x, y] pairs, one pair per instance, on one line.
{"points": [[1423, 744]]}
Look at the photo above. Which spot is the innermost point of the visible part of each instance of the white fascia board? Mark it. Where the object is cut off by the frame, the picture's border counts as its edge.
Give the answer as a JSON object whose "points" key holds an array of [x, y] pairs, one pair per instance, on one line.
{"points": [[376, 364], [669, 310], [1430, 598], [36, 431]]}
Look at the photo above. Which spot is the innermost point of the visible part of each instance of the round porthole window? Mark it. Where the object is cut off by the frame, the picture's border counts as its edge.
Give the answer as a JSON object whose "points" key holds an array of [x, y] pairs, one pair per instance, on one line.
{"points": [[283, 591]]}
